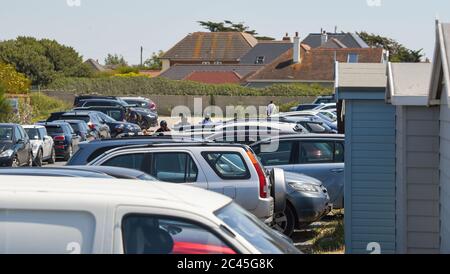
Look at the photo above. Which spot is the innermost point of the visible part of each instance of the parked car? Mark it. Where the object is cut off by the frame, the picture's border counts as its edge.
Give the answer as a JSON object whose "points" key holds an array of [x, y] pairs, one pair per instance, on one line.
{"points": [[326, 106], [81, 128], [42, 144], [319, 156], [102, 103], [312, 124], [87, 152], [305, 107], [117, 113], [66, 141], [326, 116], [120, 128], [232, 170], [141, 102], [79, 99], [80, 171], [96, 216], [15, 146], [325, 99], [262, 125], [92, 119]]}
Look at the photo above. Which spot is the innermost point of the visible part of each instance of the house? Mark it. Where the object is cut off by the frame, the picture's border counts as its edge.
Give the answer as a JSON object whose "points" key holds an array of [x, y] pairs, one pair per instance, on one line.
{"points": [[182, 72], [344, 39], [304, 64], [439, 96], [95, 65], [370, 155], [209, 48]]}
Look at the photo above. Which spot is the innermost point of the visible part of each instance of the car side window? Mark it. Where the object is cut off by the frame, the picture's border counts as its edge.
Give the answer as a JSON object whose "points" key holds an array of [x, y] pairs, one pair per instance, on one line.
{"points": [[227, 165], [147, 234], [276, 154], [131, 161], [316, 152], [174, 167], [339, 153], [17, 134]]}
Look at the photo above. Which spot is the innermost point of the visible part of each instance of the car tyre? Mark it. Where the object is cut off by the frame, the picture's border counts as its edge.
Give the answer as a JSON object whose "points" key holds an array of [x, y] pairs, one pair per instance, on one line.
{"points": [[15, 162], [30, 160], [285, 222], [68, 154], [38, 159], [52, 159]]}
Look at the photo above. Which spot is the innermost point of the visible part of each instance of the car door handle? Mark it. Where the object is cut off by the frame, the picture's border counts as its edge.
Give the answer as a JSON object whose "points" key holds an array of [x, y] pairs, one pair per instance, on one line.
{"points": [[337, 170]]}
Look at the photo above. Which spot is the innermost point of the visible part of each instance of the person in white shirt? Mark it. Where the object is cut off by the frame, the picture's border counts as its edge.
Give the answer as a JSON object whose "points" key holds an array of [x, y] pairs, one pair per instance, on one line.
{"points": [[271, 109]]}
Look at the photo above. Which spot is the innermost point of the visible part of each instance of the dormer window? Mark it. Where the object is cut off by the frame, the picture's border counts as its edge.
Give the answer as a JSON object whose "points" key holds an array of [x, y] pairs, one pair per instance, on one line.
{"points": [[260, 60], [352, 58]]}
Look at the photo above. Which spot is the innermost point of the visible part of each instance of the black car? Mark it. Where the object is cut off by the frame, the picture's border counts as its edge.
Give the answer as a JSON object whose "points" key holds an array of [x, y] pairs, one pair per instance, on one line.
{"points": [[65, 139], [79, 99], [120, 128], [325, 99], [80, 128], [89, 151], [92, 119], [141, 102], [15, 146], [143, 117], [305, 107]]}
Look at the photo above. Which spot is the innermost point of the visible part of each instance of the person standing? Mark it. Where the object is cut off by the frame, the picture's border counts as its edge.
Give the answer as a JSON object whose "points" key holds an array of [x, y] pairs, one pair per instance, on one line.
{"points": [[271, 109]]}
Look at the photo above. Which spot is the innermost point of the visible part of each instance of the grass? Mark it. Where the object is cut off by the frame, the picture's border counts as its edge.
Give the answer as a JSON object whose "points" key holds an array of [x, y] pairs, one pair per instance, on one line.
{"points": [[324, 237], [44, 105]]}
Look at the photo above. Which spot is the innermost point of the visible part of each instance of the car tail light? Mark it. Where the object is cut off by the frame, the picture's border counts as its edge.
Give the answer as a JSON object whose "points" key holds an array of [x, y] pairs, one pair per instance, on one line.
{"points": [[59, 138], [152, 106], [261, 175], [200, 249], [91, 126]]}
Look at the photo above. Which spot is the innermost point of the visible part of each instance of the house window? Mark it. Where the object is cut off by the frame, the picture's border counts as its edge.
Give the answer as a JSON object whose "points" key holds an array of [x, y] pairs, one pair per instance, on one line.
{"points": [[353, 58], [206, 63], [217, 63], [260, 60]]}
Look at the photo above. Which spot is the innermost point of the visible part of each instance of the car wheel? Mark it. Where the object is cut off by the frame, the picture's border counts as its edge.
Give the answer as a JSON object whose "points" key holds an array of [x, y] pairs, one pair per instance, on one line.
{"points": [[15, 162], [68, 154], [52, 159], [285, 222], [38, 160], [30, 160]]}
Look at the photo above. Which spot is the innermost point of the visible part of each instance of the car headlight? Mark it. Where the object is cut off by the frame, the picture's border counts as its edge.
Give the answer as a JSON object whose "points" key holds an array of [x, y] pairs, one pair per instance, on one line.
{"points": [[7, 153], [304, 187]]}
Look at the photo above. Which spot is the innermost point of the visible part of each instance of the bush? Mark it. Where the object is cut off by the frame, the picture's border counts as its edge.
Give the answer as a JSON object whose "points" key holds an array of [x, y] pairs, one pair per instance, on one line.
{"points": [[5, 107], [12, 81], [44, 105], [145, 86]]}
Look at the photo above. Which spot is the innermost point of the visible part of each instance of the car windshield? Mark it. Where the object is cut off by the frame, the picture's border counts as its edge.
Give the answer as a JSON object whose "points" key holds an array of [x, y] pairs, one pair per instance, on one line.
{"points": [[33, 133], [262, 237], [106, 118], [327, 116], [6, 133]]}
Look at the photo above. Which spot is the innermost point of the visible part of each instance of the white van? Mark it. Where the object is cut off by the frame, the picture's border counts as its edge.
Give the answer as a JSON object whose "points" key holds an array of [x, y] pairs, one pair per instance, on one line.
{"points": [[48, 215]]}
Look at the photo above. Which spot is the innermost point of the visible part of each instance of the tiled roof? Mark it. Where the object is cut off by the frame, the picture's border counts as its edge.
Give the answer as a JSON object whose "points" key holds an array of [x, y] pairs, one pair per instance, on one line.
{"points": [[181, 71], [316, 64], [212, 46], [269, 50], [214, 77], [350, 40]]}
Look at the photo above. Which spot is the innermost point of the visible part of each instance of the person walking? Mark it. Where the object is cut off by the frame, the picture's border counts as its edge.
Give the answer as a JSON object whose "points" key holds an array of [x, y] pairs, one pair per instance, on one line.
{"points": [[271, 109]]}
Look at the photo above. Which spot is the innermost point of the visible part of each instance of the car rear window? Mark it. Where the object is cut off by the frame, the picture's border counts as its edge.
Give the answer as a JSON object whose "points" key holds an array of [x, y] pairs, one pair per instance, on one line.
{"points": [[54, 130], [227, 165], [85, 118]]}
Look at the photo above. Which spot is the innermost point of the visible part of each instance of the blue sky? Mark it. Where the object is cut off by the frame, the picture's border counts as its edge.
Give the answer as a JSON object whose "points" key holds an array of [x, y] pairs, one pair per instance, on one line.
{"points": [[99, 27]]}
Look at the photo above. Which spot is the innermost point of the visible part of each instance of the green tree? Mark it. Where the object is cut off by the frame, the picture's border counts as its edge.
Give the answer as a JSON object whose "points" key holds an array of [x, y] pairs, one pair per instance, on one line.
{"points": [[115, 60], [42, 60], [229, 26], [397, 51], [5, 107], [154, 62]]}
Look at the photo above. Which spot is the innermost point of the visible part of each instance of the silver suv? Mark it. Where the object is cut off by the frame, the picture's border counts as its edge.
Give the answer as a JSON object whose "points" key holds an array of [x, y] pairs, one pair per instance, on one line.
{"points": [[232, 170]]}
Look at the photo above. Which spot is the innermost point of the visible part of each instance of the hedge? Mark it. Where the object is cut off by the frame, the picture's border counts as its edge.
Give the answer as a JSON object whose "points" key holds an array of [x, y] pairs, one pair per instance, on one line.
{"points": [[145, 86]]}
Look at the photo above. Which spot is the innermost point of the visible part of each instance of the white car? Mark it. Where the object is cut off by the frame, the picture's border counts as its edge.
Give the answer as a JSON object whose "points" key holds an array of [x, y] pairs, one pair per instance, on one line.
{"points": [[326, 106], [42, 143], [48, 215]]}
